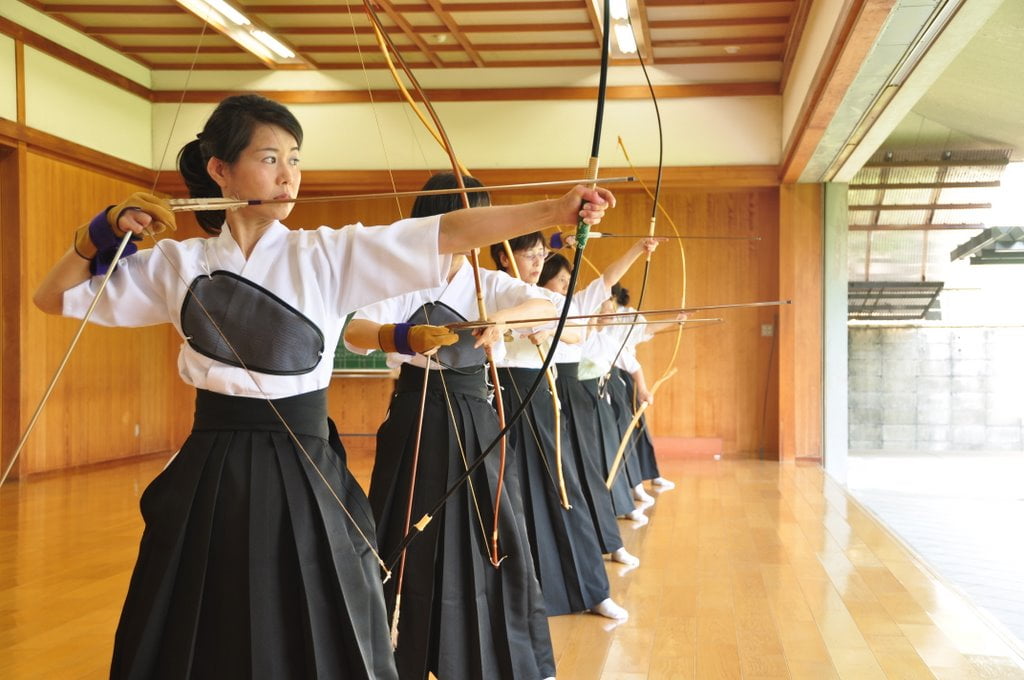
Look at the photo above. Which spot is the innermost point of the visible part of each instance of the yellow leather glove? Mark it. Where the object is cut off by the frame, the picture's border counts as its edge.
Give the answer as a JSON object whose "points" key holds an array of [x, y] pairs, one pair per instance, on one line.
{"points": [[90, 238], [407, 338], [157, 208]]}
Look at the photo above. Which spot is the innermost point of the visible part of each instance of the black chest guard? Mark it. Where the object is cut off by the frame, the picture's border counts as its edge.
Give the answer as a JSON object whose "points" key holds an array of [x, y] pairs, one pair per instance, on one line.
{"points": [[260, 331]]}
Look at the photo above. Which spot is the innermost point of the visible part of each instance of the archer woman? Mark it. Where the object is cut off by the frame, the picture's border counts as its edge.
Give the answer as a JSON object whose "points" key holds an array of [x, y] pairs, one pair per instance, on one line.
{"points": [[454, 613], [578, 404], [566, 552], [258, 558]]}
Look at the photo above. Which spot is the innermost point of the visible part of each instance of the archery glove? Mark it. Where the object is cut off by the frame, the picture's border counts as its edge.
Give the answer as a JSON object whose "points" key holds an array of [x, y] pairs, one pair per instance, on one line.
{"points": [[406, 338]]}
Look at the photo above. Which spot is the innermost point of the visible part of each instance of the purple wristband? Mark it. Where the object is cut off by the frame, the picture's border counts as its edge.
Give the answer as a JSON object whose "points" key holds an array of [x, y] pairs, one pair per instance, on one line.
{"points": [[106, 242], [402, 338]]}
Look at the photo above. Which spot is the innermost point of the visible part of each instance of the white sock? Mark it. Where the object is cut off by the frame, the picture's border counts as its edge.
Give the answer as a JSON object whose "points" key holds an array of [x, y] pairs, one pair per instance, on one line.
{"points": [[622, 556], [609, 609], [638, 516], [663, 483], [640, 494]]}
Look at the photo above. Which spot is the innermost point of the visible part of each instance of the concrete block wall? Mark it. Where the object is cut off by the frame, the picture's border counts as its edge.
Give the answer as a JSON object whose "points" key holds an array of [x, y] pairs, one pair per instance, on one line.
{"points": [[936, 388]]}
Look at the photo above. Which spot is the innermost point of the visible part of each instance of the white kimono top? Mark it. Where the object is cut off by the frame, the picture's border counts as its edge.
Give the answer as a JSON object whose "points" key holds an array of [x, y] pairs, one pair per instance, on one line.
{"points": [[324, 273], [627, 359], [586, 301], [599, 350], [500, 292]]}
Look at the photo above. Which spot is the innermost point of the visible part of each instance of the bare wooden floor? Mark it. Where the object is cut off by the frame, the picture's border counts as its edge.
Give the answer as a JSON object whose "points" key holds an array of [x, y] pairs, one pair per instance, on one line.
{"points": [[749, 570]]}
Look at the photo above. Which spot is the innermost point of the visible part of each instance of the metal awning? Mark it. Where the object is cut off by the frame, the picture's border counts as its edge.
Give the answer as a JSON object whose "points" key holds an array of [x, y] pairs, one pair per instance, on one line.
{"points": [[891, 300]]}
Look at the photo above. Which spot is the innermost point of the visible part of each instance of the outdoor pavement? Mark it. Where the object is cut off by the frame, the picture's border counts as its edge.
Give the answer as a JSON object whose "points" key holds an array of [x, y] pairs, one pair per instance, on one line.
{"points": [[962, 512]]}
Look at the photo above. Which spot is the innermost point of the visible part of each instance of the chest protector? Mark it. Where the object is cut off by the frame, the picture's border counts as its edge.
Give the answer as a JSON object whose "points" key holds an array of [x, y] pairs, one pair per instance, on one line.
{"points": [[232, 320]]}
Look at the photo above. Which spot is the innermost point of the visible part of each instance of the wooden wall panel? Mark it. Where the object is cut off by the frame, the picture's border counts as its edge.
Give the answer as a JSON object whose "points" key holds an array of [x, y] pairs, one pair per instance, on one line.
{"points": [[720, 388], [10, 283], [118, 396]]}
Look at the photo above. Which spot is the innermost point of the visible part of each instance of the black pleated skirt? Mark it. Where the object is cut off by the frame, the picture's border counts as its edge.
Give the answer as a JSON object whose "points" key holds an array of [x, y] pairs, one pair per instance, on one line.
{"points": [[248, 566], [608, 435], [580, 415], [460, 617], [566, 553], [641, 446]]}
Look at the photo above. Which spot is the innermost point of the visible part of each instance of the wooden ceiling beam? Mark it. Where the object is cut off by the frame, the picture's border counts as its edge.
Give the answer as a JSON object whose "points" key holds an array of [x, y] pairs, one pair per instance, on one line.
{"points": [[852, 41], [547, 26], [724, 22], [794, 34], [550, 5], [111, 9], [635, 92], [455, 30], [713, 42], [409, 31]]}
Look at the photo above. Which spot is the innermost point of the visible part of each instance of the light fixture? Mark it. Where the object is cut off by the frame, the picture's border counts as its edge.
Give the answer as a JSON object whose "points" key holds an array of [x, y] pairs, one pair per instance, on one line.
{"points": [[230, 12], [628, 26], [253, 38], [273, 43], [624, 38], [619, 10]]}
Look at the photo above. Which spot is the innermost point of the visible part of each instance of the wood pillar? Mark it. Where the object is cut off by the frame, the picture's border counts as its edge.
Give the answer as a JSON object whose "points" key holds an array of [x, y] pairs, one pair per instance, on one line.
{"points": [[800, 324]]}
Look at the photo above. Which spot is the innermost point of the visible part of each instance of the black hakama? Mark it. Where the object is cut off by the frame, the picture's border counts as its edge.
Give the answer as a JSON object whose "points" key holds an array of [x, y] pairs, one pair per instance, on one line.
{"points": [[566, 553], [608, 436], [460, 617], [641, 448], [248, 568], [580, 417]]}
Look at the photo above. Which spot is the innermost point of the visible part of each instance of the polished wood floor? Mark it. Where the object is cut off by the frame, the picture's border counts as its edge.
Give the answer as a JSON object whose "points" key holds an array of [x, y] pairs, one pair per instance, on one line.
{"points": [[749, 570]]}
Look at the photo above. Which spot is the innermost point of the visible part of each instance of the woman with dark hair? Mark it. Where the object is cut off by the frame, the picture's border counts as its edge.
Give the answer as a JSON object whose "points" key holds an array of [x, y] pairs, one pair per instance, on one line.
{"points": [[595, 369], [578, 405], [628, 388], [566, 552], [258, 558], [453, 613]]}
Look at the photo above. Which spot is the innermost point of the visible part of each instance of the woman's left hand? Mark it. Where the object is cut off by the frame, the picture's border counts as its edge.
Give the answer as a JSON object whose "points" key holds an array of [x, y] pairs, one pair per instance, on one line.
{"points": [[485, 337], [585, 203]]}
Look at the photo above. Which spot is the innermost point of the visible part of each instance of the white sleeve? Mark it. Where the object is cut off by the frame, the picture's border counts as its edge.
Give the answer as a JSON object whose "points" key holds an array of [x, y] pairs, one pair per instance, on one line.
{"points": [[393, 310], [628, 362], [504, 291], [590, 299], [136, 294], [370, 264]]}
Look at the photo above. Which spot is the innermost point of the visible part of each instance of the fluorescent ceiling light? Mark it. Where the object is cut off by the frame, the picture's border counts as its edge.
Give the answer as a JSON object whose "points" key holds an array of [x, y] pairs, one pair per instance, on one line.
{"points": [[230, 12], [619, 9], [232, 23], [273, 43], [624, 38]]}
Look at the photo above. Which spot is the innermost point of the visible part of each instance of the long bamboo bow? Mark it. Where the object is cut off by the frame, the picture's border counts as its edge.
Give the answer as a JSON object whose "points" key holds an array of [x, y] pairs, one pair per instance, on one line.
{"points": [[582, 233]]}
